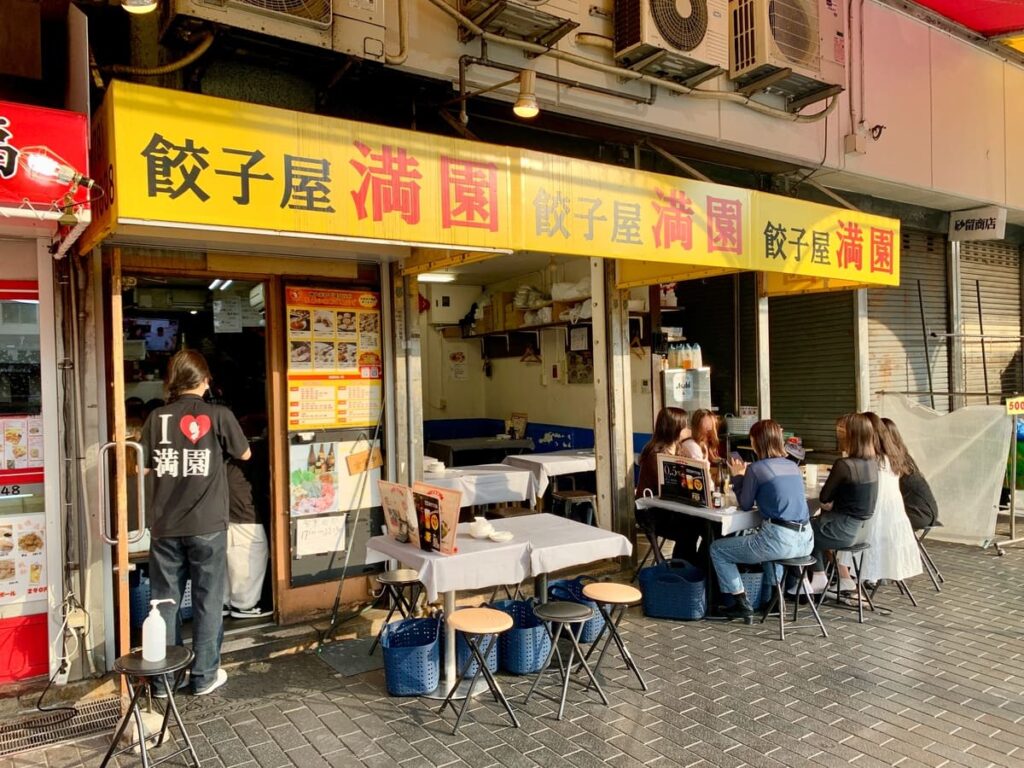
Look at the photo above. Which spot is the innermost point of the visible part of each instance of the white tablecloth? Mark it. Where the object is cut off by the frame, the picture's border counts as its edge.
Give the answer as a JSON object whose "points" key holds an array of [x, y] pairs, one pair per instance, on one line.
{"points": [[488, 484], [547, 465], [542, 543], [731, 519]]}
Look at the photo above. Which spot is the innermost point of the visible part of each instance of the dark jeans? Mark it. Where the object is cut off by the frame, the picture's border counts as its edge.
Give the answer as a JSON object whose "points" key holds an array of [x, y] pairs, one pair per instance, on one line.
{"points": [[172, 561], [834, 530]]}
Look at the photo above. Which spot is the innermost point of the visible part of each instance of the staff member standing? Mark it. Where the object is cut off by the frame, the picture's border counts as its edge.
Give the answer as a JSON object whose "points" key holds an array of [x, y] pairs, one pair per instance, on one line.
{"points": [[185, 443]]}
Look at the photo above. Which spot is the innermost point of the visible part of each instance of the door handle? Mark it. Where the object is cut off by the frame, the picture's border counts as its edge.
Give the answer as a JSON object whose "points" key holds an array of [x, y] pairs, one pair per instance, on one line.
{"points": [[105, 506]]}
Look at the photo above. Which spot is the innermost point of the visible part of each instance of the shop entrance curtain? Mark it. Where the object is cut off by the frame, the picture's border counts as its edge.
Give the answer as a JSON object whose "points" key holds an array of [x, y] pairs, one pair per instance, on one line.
{"points": [[963, 455]]}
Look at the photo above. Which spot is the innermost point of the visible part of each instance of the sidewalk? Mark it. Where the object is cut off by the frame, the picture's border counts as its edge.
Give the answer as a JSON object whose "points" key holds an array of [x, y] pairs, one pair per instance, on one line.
{"points": [[937, 685]]}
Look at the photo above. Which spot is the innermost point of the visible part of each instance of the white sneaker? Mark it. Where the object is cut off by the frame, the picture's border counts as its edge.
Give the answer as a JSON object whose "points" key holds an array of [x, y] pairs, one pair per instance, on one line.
{"points": [[847, 585], [818, 582], [249, 613], [222, 677], [161, 693]]}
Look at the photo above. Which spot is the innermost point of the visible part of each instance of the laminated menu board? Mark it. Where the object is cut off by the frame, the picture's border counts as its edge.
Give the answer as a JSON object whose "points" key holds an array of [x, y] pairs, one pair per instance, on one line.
{"points": [[399, 507], [22, 558], [334, 358], [684, 479], [437, 514]]}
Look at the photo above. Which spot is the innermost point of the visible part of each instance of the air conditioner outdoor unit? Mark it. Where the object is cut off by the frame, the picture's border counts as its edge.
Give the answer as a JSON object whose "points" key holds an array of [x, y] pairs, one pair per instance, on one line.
{"points": [[352, 27], [659, 37], [794, 47]]}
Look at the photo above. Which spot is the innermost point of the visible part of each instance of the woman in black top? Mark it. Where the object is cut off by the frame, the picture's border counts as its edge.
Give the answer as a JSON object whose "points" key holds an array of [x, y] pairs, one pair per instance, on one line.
{"points": [[848, 497], [918, 499]]}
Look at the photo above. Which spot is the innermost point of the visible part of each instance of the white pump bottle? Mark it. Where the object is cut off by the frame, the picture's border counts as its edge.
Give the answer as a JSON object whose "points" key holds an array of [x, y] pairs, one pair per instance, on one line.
{"points": [[154, 633]]}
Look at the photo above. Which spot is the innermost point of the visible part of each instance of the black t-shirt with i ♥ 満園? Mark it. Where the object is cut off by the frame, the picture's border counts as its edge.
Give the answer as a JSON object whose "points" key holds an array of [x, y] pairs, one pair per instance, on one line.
{"points": [[185, 443]]}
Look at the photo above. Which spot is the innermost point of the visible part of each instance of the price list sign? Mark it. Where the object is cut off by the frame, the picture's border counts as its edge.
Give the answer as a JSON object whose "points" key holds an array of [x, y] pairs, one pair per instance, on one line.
{"points": [[334, 358]]}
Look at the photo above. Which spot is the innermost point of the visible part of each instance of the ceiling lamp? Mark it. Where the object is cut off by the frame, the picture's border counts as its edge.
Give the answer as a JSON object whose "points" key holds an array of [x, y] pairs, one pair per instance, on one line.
{"points": [[139, 6], [436, 277], [526, 105]]}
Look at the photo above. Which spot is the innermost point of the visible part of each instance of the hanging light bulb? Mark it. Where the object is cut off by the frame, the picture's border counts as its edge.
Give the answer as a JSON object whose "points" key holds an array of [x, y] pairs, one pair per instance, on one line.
{"points": [[526, 105], [139, 7], [45, 165]]}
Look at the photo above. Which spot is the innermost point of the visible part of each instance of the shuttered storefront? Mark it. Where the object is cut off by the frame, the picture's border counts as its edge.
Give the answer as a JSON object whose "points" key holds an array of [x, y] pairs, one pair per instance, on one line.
{"points": [[812, 364], [896, 344], [995, 267]]}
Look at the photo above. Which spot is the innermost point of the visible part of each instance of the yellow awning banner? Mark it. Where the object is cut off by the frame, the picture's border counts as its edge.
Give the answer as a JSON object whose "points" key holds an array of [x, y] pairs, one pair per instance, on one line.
{"points": [[183, 159]]}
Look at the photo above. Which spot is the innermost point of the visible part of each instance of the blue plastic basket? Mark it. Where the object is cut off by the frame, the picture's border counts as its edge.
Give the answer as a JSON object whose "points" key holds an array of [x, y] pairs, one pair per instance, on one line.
{"points": [[412, 661], [572, 590], [462, 654], [674, 590], [140, 592], [753, 585], [525, 647]]}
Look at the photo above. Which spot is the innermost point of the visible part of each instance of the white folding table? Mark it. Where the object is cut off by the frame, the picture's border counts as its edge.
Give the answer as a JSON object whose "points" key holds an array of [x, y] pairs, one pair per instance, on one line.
{"points": [[541, 544], [487, 484], [547, 465]]}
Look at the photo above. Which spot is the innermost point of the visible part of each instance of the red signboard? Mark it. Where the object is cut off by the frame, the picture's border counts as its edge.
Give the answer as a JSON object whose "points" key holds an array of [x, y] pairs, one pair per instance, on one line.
{"points": [[44, 154]]}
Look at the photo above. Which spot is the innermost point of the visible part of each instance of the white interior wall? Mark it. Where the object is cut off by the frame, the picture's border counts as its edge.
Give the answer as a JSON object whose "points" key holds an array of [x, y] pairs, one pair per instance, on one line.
{"points": [[954, 120]]}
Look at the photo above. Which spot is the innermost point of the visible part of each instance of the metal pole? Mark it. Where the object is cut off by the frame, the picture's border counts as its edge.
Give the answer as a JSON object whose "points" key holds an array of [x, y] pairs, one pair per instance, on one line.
{"points": [[981, 330], [924, 337]]}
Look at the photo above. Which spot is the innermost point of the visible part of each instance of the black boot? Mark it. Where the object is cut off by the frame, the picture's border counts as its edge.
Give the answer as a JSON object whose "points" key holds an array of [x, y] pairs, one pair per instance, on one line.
{"points": [[740, 608]]}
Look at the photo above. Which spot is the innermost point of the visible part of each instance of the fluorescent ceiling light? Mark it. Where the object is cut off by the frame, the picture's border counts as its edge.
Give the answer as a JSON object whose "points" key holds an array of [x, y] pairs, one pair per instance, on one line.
{"points": [[139, 6], [436, 277], [214, 284], [224, 287]]}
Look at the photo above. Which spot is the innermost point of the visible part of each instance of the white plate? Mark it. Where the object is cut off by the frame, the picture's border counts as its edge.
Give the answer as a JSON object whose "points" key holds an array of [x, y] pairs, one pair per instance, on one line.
{"points": [[482, 535], [501, 536]]}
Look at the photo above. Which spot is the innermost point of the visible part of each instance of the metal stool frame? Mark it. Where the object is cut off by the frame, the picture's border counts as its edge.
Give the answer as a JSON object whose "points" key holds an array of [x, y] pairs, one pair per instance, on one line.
{"points": [[611, 623], [778, 598], [566, 669], [139, 684], [832, 575], [395, 592], [926, 559], [473, 641]]}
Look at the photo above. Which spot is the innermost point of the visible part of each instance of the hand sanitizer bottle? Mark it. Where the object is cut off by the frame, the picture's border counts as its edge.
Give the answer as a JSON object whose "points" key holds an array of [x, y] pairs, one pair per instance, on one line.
{"points": [[154, 633]]}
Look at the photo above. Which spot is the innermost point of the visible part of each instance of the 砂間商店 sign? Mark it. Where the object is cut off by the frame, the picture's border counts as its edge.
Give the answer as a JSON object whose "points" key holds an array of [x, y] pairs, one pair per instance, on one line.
{"points": [[183, 158], [334, 358], [988, 223]]}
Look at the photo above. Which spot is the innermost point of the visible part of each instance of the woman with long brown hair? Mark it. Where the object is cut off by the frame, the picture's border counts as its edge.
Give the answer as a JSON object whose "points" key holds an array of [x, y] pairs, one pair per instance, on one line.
{"points": [[848, 496], [670, 429], [918, 500], [775, 484], [703, 440]]}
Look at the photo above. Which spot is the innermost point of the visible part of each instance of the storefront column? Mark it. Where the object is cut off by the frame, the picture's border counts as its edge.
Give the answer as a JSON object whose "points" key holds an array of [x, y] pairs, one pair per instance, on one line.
{"points": [[602, 411], [957, 371], [764, 390], [620, 404], [861, 351], [408, 379]]}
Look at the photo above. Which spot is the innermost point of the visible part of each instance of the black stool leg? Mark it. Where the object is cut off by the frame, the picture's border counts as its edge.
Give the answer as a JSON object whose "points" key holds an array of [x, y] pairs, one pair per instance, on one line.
{"points": [[803, 586], [499, 696], [547, 662], [173, 707], [613, 628], [127, 718], [906, 590], [481, 664], [577, 651]]}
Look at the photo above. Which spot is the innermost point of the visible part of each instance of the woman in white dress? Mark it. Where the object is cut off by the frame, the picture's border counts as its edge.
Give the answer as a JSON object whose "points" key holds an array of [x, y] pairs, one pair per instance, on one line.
{"points": [[894, 553]]}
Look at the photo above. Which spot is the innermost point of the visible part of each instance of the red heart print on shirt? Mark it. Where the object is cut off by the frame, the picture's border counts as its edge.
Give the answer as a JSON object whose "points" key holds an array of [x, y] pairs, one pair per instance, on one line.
{"points": [[194, 427]]}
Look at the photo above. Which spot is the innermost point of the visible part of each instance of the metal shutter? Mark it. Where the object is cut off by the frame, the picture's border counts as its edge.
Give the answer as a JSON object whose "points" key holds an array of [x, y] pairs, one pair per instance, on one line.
{"points": [[996, 265], [895, 343], [813, 377]]}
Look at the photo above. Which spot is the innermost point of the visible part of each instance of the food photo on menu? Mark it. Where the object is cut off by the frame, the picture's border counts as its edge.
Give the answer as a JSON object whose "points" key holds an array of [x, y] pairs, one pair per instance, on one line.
{"points": [[298, 321], [299, 353], [347, 355], [323, 354], [369, 322], [6, 538], [323, 321], [346, 322]]}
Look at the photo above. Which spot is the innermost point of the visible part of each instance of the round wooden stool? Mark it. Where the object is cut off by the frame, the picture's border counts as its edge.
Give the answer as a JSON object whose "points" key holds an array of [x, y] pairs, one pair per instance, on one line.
{"points": [[140, 674], [799, 567], [478, 625], [612, 601], [395, 583], [562, 613]]}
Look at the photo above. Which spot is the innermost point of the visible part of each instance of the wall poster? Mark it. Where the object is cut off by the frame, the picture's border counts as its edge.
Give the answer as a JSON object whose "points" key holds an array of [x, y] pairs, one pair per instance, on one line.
{"points": [[22, 557], [334, 358]]}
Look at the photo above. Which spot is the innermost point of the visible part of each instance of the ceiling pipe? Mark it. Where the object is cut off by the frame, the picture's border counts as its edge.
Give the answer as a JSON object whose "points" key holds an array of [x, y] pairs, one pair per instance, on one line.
{"points": [[189, 58], [403, 36], [629, 74], [682, 165]]}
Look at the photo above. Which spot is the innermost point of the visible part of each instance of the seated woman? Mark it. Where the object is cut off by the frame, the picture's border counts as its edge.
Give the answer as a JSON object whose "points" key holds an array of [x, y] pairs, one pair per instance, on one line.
{"points": [[848, 496], [894, 554], [918, 499], [775, 483], [670, 429]]}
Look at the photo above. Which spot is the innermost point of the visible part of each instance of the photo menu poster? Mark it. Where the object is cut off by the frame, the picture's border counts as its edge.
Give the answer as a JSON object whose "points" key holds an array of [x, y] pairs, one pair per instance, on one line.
{"points": [[22, 558], [334, 358]]}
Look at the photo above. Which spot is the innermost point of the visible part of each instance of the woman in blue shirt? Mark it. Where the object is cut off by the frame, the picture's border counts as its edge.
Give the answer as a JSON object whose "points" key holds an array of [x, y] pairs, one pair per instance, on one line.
{"points": [[776, 485]]}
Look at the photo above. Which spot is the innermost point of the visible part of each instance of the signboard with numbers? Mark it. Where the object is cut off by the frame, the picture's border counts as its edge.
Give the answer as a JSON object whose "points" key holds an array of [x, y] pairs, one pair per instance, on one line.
{"points": [[334, 358], [184, 158]]}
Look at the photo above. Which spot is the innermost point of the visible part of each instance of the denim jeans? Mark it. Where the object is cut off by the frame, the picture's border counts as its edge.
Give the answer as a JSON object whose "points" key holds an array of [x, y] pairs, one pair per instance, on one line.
{"points": [[771, 542], [172, 561]]}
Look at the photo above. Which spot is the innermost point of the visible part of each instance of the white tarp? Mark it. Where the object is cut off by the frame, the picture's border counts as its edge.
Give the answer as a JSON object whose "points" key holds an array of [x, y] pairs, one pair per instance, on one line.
{"points": [[963, 455]]}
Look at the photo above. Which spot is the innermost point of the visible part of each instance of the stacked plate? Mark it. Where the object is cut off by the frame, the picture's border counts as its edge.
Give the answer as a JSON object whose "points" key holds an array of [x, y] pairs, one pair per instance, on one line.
{"points": [[432, 465]]}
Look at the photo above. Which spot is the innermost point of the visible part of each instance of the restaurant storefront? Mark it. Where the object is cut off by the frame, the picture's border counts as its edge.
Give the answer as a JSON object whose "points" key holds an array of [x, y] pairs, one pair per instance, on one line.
{"points": [[326, 225], [44, 204]]}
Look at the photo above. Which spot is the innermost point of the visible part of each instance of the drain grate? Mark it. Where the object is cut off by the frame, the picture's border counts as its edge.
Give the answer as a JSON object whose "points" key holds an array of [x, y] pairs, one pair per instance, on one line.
{"points": [[40, 730]]}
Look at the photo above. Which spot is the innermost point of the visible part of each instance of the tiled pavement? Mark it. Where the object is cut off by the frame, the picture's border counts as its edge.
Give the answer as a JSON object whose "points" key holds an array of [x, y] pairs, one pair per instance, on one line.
{"points": [[938, 685]]}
